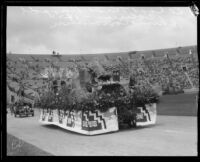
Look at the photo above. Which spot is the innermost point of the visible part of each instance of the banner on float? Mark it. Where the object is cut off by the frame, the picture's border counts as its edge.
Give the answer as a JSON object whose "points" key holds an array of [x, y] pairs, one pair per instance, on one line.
{"points": [[85, 122], [146, 116]]}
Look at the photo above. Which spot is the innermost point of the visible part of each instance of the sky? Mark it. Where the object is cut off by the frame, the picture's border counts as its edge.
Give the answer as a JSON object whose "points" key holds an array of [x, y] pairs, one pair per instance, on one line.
{"points": [[90, 30]]}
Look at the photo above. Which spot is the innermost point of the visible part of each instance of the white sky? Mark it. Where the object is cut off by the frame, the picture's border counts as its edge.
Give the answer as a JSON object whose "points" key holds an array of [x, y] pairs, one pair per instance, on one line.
{"points": [[89, 30]]}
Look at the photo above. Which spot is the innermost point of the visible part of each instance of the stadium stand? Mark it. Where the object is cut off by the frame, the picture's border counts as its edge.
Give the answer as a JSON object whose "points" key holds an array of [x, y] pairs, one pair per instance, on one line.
{"points": [[158, 67]]}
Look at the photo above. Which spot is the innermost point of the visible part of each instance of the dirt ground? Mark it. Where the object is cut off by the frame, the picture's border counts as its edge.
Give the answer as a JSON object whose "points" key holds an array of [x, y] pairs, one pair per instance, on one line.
{"points": [[171, 136]]}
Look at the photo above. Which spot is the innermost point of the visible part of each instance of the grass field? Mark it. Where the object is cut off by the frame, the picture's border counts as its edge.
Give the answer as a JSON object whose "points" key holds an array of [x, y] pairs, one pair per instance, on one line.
{"points": [[178, 105]]}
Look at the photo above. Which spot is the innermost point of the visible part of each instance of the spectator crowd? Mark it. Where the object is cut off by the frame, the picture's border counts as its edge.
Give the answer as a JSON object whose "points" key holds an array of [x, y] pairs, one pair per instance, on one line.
{"points": [[176, 73], [170, 72]]}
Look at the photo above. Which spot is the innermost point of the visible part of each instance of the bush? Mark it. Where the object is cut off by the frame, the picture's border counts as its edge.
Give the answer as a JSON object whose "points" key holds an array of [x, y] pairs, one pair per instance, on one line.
{"points": [[47, 100], [140, 96]]}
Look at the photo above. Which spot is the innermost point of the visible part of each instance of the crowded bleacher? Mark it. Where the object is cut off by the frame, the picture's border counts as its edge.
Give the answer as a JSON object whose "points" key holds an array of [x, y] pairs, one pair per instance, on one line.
{"points": [[172, 72]]}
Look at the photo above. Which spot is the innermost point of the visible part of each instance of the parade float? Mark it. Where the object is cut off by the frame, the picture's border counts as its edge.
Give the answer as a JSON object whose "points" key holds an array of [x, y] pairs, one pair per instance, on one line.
{"points": [[95, 103]]}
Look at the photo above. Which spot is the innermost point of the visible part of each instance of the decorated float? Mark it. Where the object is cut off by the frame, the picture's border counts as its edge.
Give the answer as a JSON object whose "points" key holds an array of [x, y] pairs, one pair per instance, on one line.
{"points": [[91, 101]]}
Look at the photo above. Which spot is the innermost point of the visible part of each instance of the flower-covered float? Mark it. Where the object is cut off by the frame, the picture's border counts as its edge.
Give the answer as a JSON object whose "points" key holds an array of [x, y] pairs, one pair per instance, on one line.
{"points": [[94, 102]]}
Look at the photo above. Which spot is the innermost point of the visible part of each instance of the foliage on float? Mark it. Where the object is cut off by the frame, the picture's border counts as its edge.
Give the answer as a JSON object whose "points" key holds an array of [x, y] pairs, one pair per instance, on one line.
{"points": [[47, 100], [108, 96], [142, 95]]}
